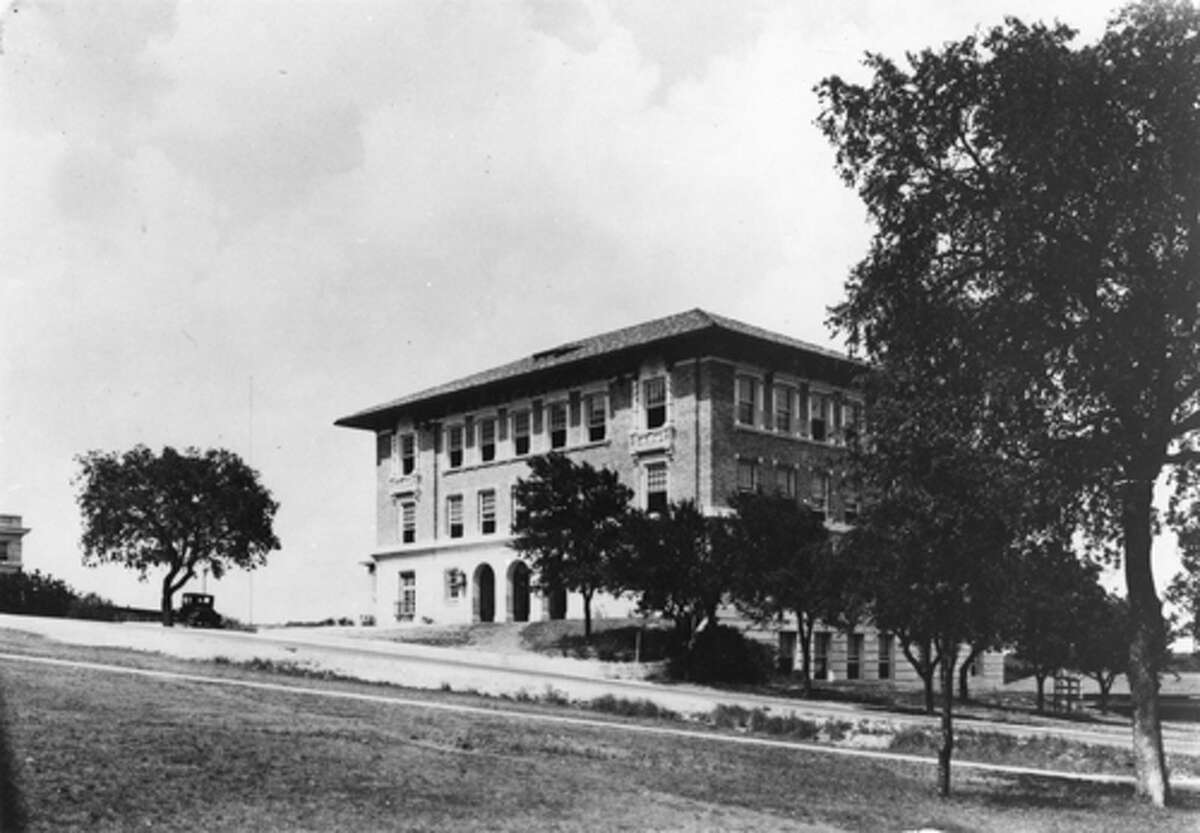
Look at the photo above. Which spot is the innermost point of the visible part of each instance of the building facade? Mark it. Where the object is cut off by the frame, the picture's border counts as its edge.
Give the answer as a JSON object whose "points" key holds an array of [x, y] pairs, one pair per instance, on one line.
{"points": [[11, 533], [694, 406]]}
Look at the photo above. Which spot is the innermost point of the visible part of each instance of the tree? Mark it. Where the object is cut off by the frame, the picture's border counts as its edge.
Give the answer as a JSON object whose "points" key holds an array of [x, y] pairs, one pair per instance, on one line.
{"points": [[569, 524], [1049, 596], [183, 512], [788, 567], [1044, 202], [679, 563], [1099, 652]]}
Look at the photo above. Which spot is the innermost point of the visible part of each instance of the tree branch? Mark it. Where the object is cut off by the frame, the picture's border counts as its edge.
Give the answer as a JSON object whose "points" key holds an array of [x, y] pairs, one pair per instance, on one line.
{"points": [[1191, 422], [1191, 455]]}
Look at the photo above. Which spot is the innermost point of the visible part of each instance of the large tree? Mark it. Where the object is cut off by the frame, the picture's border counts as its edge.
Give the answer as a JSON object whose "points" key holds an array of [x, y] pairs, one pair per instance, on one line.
{"points": [[569, 521], [1053, 191], [788, 566], [180, 512]]}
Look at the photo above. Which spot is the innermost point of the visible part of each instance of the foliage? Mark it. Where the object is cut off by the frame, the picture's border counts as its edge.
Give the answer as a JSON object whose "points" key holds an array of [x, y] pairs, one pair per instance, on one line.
{"points": [[1036, 205], [182, 512], [1101, 652], [721, 654], [35, 594], [788, 566], [568, 525]]}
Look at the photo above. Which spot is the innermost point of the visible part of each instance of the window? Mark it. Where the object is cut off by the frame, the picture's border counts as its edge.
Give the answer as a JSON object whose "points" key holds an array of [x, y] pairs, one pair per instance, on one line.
{"points": [[408, 522], [854, 651], [821, 655], [455, 584], [487, 439], [656, 487], [454, 515], [819, 494], [454, 443], [851, 505], [408, 453], [885, 656], [487, 512], [785, 481], [3, 550], [784, 397], [654, 395], [596, 408], [747, 400], [558, 425], [818, 413], [747, 476], [521, 433], [406, 605]]}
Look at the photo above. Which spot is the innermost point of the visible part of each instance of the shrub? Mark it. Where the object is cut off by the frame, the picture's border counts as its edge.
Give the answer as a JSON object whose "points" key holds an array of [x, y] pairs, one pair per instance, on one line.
{"points": [[630, 708], [722, 655], [39, 594]]}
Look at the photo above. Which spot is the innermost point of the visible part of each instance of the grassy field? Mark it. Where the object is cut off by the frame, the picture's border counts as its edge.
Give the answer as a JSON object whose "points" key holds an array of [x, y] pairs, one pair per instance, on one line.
{"points": [[98, 751]]}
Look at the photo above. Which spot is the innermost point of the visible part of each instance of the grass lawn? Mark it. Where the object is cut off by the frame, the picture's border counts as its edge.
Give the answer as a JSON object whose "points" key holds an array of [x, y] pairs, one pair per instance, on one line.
{"points": [[98, 751]]}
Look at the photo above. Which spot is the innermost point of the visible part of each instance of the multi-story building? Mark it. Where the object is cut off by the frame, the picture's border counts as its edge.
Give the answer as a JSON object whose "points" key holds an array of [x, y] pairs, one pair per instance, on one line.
{"points": [[11, 533], [694, 407]]}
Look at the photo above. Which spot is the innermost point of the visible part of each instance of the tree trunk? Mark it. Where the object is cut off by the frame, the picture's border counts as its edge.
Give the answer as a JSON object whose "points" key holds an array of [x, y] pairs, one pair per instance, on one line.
{"points": [[964, 672], [924, 664], [1040, 676], [948, 655], [587, 615], [168, 614], [1105, 681], [804, 636], [1146, 644]]}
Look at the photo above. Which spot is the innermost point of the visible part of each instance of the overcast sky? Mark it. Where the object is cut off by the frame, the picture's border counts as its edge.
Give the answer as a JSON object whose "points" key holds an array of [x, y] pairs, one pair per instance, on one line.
{"points": [[230, 223]]}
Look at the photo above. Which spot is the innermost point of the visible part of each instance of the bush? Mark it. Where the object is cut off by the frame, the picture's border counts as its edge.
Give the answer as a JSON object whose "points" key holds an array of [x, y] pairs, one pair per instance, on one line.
{"points": [[722, 655], [91, 606]]}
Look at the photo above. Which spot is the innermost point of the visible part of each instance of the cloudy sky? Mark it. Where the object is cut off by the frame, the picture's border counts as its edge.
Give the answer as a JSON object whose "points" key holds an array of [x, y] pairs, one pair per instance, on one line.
{"points": [[230, 223]]}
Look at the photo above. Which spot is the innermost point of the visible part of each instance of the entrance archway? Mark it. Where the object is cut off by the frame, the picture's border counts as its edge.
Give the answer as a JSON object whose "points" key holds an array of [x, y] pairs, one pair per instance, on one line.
{"points": [[556, 601], [518, 592], [483, 601]]}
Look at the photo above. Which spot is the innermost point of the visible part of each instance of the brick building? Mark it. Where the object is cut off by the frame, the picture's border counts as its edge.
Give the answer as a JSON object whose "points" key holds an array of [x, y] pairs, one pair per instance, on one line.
{"points": [[694, 406]]}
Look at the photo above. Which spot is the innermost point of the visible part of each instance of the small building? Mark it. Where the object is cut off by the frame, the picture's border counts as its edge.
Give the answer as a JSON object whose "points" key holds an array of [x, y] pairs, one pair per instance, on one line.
{"points": [[11, 533]]}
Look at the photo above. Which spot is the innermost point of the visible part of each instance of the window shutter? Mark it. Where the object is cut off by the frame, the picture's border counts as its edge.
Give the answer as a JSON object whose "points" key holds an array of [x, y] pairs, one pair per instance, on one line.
{"points": [[383, 446], [574, 409], [768, 402], [618, 395], [837, 411], [469, 431], [802, 416], [537, 417], [502, 424]]}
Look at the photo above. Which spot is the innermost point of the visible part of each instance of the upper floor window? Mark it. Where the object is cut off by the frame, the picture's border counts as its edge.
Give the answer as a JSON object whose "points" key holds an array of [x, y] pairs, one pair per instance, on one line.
{"points": [[654, 397], [558, 425], [454, 445], [487, 439], [747, 476], [521, 433], [747, 400], [818, 412], [487, 512], [408, 522], [454, 516], [408, 453], [656, 487], [596, 408], [784, 399]]}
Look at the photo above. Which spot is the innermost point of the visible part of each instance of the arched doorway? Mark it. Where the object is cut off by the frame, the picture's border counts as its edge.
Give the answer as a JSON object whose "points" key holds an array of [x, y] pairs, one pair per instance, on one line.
{"points": [[518, 592], [556, 600], [483, 601]]}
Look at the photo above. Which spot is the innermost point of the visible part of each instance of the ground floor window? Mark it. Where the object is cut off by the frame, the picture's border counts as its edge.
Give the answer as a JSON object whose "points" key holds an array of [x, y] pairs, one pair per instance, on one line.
{"points": [[885, 657], [456, 584], [406, 607], [821, 641], [656, 487], [854, 651]]}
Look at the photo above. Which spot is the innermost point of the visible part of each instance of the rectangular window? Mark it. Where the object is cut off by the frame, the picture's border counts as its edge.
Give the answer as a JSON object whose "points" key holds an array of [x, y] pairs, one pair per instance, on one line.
{"points": [[821, 655], [408, 453], [785, 481], [558, 425], [487, 440], [456, 584], [654, 396], [656, 487], [747, 476], [454, 445], [406, 605], [784, 398], [854, 652], [596, 408], [747, 400], [885, 657], [819, 494], [487, 512], [454, 516], [521, 433], [408, 522], [818, 414]]}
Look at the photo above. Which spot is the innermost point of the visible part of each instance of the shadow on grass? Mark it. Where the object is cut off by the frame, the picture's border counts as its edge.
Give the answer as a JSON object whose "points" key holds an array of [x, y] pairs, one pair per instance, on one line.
{"points": [[1042, 793], [12, 806]]}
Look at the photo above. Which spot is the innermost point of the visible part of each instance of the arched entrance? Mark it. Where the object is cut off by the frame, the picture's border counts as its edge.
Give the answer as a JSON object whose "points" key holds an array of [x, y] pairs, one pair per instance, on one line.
{"points": [[518, 592], [556, 601], [483, 601]]}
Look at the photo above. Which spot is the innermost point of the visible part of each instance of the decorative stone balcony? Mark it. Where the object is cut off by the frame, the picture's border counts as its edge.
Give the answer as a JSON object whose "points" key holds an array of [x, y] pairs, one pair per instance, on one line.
{"points": [[403, 484], [653, 440]]}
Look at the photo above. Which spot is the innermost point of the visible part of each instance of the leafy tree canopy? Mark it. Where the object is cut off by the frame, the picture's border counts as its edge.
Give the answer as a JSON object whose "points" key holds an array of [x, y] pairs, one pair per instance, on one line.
{"points": [[182, 512]]}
